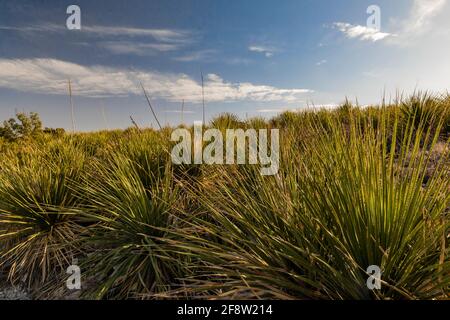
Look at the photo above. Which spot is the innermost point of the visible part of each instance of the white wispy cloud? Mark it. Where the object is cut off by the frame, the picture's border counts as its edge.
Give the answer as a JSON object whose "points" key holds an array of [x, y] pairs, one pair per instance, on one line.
{"points": [[162, 35], [201, 55], [137, 48], [50, 76], [267, 51], [418, 22], [34, 28], [139, 41], [361, 32], [422, 12], [121, 39], [321, 62]]}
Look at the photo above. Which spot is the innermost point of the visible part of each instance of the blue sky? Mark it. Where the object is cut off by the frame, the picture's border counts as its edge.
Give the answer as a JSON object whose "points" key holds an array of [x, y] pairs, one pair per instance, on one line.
{"points": [[258, 57]]}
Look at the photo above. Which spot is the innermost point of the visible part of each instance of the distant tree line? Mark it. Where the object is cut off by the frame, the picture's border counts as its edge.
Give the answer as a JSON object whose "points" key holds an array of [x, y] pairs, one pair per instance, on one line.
{"points": [[25, 126]]}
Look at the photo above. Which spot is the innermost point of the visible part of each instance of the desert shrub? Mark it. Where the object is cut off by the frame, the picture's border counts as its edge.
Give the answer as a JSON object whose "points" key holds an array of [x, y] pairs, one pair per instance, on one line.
{"points": [[346, 203], [58, 132], [256, 123], [356, 187], [287, 119], [422, 108], [226, 121], [25, 126], [133, 202], [38, 228]]}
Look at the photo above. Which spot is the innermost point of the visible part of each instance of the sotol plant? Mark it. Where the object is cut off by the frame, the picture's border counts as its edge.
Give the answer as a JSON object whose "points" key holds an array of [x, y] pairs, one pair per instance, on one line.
{"points": [[38, 228], [354, 197], [132, 202]]}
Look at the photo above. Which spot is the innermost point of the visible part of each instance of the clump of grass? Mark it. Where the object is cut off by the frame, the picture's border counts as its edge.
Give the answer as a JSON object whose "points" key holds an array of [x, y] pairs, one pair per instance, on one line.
{"points": [[285, 119], [226, 121], [423, 108], [38, 228], [256, 123], [133, 205], [356, 187], [347, 201]]}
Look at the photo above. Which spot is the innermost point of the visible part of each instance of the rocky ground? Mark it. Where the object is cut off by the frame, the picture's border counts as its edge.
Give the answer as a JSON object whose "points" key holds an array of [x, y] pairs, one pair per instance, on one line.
{"points": [[13, 293]]}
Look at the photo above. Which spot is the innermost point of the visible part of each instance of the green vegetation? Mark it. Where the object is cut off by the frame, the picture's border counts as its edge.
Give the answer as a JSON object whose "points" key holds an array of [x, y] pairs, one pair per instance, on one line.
{"points": [[356, 187], [27, 126]]}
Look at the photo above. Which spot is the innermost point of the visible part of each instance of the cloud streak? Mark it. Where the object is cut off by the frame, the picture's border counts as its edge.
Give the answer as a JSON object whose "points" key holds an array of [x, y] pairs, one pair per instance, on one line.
{"points": [[267, 51], [162, 35], [119, 39], [422, 12], [361, 32], [137, 48], [418, 22], [50, 76], [201, 55]]}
